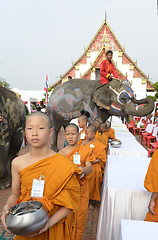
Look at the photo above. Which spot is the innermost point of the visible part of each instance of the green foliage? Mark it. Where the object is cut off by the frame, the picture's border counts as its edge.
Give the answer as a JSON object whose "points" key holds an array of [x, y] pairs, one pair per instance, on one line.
{"points": [[152, 97], [156, 95], [156, 86]]}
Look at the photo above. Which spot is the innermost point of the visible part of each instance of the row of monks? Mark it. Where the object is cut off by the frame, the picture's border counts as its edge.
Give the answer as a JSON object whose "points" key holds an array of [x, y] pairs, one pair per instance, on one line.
{"points": [[87, 149], [72, 176]]}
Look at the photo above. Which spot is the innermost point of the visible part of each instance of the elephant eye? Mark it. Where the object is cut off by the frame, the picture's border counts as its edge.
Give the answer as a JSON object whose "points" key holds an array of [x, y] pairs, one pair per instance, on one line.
{"points": [[123, 97]]}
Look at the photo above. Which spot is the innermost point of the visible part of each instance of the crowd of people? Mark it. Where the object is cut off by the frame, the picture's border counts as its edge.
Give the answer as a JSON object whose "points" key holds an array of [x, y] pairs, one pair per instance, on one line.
{"points": [[72, 176]]}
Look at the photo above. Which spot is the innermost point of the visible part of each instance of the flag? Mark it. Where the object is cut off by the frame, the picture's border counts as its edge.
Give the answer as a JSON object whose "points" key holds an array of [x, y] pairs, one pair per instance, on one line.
{"points": [[126, 78], [46, 84], [46, 89]]}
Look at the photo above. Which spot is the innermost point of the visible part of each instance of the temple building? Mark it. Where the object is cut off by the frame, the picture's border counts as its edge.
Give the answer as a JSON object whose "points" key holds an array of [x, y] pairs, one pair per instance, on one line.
{"points": [[88, 65]]}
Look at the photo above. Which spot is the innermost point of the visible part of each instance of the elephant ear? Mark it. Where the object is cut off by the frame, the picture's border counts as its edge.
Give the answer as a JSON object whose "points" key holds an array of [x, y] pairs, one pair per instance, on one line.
{"points": [[101, 97]]}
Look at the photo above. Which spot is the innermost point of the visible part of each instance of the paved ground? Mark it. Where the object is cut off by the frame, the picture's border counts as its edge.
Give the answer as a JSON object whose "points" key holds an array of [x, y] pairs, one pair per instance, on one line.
{"points": [[92, 219]]}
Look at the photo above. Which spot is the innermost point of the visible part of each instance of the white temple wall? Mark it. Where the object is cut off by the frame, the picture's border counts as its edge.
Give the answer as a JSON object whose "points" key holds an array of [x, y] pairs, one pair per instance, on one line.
{"points": [[139, 88], [93, 56]]}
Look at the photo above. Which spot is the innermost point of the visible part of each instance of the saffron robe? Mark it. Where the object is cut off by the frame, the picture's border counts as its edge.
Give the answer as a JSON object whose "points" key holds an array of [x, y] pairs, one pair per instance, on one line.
{"points": [[103, 138], [106, 69], [95, 177], [86, 155], [81, 140], [110, 133], [61, 189], [151, 184]]}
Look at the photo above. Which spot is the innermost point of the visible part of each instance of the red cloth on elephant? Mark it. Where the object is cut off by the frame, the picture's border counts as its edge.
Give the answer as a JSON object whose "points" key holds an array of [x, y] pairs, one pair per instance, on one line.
{"points": [[106, 69]]}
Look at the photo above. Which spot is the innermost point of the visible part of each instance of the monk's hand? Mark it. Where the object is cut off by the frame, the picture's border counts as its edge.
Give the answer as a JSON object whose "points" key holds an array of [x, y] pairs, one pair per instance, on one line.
{"points": [[4, 215], [151, 207], [45, 228]]}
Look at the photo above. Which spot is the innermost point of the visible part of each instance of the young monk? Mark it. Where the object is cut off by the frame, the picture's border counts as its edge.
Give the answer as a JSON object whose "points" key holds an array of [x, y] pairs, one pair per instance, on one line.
{"points": [[96, 124], [151, 184], [61, 191], [81, 156], [95, 178], [82, 123], [109, 131], [101, 134], [103, 138]]}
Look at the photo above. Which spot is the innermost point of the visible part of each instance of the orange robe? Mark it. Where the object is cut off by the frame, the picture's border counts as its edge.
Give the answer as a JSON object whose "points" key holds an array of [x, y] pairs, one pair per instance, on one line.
{"points": [[110, 133], [95, 178], [86, 155], [151, 184], [103, 138], [81, 140], [61, 189]]}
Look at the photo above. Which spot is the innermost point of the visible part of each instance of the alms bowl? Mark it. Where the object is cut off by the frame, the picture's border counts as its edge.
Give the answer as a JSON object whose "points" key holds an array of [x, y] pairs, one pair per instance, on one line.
{"points": [[27, 218], [116, 143]]}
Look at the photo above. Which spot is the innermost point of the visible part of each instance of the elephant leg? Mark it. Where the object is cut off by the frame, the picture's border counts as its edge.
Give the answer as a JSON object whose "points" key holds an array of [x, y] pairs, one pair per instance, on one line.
{"points": [[54, 139], [60, 138], [3, 168], [14, 148]]}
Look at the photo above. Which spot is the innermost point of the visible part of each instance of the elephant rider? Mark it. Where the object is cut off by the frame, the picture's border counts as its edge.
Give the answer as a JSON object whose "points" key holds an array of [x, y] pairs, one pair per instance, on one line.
{"points": [[107, 72], [107, 69]]}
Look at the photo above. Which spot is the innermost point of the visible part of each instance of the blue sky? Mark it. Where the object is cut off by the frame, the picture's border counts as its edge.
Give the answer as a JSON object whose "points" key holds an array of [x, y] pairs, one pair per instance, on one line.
{"points": [[40, 37]]}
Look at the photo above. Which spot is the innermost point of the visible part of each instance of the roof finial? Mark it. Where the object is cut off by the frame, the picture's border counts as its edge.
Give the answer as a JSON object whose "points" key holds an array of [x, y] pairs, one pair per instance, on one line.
{"points": [[105, 15]]}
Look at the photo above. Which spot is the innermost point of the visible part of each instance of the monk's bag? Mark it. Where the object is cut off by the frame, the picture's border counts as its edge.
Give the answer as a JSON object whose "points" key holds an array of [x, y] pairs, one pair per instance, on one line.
{"points": [[4, 238]]}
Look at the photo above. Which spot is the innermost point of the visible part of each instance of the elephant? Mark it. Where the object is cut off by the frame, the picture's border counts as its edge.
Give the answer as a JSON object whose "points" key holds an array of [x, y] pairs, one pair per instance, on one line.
{"points": [[115, 98], [13, 115]]}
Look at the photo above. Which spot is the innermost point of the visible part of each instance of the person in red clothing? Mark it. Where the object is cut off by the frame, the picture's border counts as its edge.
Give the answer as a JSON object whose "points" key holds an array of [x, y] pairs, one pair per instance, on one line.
{"points": [[107, 69]]}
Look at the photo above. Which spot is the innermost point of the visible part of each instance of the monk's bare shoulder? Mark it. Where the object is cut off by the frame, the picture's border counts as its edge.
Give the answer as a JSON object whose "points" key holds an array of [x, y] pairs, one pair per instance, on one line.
{"points": [[20, 161], [64, 151]]}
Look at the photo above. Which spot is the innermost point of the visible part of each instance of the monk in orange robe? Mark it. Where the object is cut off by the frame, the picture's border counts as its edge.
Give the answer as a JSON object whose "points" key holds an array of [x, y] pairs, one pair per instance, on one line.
{"points": [[61, 191], [103, 138], [99, 151], [82, 123], [151, 184], [101, 135], [109, 131], [82, 156]]}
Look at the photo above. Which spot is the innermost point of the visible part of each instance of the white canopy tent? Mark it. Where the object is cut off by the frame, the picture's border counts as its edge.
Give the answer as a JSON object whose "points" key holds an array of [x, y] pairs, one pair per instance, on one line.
{"points": [[27, 98]]}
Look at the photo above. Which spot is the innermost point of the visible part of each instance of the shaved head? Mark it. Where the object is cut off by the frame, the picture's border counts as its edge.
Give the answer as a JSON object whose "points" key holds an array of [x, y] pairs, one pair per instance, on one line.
{"points": [[40, 114], [108, 124], [103, 126], [72, 125], [96, 124], [92, 128]]}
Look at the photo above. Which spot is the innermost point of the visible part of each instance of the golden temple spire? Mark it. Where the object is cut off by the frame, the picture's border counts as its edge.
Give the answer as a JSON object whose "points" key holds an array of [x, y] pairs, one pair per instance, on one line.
{"points": [[105, 15]]}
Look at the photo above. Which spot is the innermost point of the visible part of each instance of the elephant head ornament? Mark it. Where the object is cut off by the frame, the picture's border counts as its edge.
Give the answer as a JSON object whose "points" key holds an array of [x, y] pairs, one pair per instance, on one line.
{"points": [[115, 98]]}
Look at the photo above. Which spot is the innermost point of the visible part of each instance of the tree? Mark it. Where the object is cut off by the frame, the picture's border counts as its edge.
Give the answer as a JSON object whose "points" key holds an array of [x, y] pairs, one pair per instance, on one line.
{"points": [[156, 86], [152, 97]]}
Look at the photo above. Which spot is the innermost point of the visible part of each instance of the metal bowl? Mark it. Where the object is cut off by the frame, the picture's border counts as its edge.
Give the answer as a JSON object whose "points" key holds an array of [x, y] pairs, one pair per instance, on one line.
{"points": [[26, 218], [116, 143]]}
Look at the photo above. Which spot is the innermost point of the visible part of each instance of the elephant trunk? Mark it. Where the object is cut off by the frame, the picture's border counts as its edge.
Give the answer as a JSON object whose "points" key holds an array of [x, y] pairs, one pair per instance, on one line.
{"points": [[136, 109]]}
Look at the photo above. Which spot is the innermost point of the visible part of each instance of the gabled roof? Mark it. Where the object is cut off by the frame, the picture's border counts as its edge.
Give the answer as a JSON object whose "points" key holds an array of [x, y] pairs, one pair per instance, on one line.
{"points": [[96, 64], [103, 39]]}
